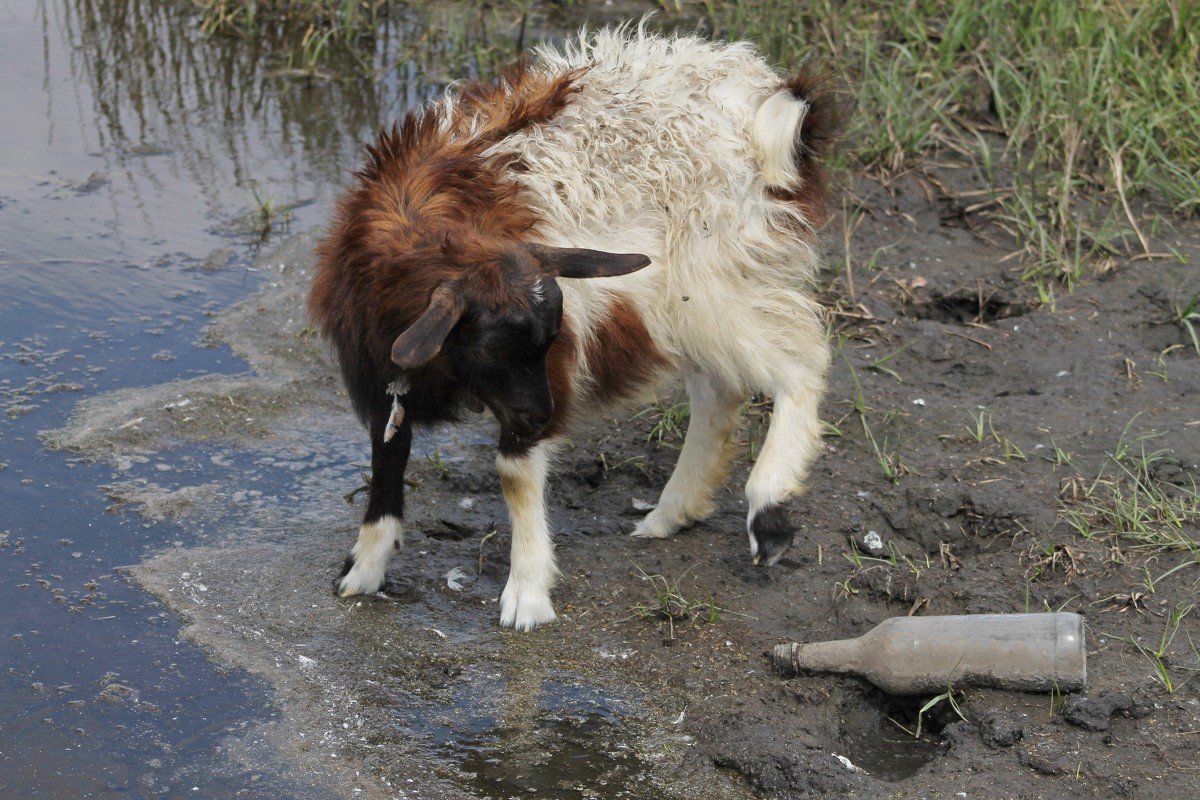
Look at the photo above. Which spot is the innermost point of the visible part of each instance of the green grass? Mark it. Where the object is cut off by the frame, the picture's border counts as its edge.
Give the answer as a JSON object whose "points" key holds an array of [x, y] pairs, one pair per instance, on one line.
{"points": [[434, 459], [266, 213], [349, 20], [950, 696], [1082, 118], [1058, 457], [422, 43], [1160, 664], [670, 420], [888, 458], [894, 559], [1131, 504], [1189, 317], [1076, 113], [671, 603], [983, 423]]}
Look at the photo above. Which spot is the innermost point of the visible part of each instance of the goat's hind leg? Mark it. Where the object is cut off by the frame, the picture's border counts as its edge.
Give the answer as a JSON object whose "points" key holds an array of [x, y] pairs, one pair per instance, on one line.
{"points": [[793, 441], [381, 534], [703, 462]]}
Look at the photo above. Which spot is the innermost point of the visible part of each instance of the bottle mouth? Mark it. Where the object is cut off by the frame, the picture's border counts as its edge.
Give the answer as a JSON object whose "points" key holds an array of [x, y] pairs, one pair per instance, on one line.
{"points": [[1070, 655]]}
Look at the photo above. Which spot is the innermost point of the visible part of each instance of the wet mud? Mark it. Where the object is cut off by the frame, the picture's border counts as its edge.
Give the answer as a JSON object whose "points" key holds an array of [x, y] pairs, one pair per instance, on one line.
{"points": [[417, 692], [219, 487]]}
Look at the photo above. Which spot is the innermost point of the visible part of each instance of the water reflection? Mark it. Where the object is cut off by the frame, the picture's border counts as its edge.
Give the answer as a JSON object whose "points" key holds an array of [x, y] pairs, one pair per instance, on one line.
{"points": [[129, 141], [520, 729], [158, 85], [132, 139], [217, 108]]}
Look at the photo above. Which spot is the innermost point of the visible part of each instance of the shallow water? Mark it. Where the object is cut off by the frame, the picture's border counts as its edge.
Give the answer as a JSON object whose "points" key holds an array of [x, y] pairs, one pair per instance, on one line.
{"points": [[128, 151], [136, 157]]}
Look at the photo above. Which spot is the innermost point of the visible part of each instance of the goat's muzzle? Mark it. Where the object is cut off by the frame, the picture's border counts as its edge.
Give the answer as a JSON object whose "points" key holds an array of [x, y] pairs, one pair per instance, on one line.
{"points": [[526, 425]]}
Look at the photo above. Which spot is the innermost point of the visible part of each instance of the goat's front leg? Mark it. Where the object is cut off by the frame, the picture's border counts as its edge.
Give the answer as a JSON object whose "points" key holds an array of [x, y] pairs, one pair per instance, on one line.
{"points": [[381, 533], [703, 462], [525, 602], [793, 441]]}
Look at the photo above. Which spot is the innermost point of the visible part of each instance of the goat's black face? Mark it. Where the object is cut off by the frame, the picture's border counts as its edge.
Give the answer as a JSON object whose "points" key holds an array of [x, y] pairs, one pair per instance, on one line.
{"points": [[500, 358], [492, 326]]}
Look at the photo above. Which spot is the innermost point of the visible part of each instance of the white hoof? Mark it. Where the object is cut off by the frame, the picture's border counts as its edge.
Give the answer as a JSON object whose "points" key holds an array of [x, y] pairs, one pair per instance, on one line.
{"points": [[659, 524], [360, 580], [369, 558], [525, 607], [646, 529]]}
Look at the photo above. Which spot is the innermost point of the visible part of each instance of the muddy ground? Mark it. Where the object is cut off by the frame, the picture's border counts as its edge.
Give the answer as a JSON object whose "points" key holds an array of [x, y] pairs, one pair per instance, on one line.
{"points": [[417, 692]]}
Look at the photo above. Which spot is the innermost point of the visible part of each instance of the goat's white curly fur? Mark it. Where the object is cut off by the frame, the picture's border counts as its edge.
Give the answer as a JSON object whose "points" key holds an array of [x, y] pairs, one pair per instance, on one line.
{"points": [[669, 149], [657, 154]]}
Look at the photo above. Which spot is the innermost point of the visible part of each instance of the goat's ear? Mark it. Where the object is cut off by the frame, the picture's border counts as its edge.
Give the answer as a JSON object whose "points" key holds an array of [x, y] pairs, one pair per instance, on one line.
{"points": [[424, 338], [572, 262]]}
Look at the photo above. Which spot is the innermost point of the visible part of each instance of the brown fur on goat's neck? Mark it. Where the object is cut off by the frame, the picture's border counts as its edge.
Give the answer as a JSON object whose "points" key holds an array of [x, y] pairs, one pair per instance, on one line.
{"points": [[428, 170], [427, 207], [431, 168]]}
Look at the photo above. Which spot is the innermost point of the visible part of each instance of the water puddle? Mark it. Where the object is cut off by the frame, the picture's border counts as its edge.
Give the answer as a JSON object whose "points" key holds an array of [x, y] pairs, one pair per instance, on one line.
{"points": [[424, 675], [878, 735], [149, 171], [551, 734]]}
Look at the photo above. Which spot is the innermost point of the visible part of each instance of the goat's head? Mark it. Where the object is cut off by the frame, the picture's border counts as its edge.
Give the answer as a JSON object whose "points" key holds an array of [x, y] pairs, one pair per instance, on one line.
{"points": [[493, 323]]}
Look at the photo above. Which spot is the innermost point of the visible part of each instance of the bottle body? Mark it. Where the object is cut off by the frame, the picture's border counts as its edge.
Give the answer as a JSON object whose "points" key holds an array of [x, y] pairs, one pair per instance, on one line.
{"points": [[920, 655]]}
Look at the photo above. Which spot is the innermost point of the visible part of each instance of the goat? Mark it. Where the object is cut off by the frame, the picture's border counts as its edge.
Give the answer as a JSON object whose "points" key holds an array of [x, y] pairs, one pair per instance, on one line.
{"points": [[472, 264]]}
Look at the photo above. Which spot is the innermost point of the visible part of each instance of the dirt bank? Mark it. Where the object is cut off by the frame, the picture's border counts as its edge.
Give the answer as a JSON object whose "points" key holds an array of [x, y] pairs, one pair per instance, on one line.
{"points": [[990, 418]]}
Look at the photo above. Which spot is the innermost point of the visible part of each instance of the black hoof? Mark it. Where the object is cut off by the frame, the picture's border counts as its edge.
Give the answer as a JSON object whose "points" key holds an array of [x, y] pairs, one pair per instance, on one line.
{"points": [[771, 534]]}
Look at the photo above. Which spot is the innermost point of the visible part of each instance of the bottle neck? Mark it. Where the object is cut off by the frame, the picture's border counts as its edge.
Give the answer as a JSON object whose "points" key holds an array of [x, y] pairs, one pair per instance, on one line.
{"points": [[843, 655]]}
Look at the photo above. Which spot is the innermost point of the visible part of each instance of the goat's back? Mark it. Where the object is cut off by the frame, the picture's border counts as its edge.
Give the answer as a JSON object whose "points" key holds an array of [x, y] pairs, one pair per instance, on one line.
{"points": [[657, 154]]}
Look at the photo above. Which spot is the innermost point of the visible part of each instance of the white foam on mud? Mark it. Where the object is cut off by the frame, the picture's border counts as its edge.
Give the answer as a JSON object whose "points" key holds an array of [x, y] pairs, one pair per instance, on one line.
{"points": [[362, 685]]}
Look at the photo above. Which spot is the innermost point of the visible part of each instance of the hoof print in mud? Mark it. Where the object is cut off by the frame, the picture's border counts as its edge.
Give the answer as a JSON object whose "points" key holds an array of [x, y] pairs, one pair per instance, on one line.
{"points": [[403, 590], [970, 306], [827, 742], [452, 530]]}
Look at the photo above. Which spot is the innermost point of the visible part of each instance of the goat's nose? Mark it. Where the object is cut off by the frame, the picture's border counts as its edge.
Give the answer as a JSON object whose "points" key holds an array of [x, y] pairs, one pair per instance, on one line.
{"points": [[531, 422]]}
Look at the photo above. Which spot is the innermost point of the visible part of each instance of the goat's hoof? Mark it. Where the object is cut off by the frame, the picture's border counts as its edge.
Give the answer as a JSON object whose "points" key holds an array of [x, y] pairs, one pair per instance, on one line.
{"points": [[644, 531], [525, 610], [771, 534], [656, 526], [355, 579]]}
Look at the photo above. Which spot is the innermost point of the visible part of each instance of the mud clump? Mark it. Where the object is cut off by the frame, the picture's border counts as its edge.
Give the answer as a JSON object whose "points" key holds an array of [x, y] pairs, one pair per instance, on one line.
{"points": [[999, 730], [1096, 713]]}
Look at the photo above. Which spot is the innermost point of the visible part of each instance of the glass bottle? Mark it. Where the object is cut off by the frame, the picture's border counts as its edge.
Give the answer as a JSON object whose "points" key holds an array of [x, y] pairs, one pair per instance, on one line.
{"points": [[925, 655]]}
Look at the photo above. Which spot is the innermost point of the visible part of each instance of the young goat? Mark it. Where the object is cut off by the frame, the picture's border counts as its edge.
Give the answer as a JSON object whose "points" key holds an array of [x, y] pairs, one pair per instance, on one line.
{"points": [[439, 282]]}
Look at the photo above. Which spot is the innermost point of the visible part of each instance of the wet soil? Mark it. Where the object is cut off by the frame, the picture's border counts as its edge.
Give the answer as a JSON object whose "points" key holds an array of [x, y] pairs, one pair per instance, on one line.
{"points": [[224, 494], [992, 413]]}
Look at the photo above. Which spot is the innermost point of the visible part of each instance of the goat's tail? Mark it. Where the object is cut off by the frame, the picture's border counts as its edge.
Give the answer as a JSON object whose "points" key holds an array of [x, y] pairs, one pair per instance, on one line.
{"points": [[792, 129]]}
